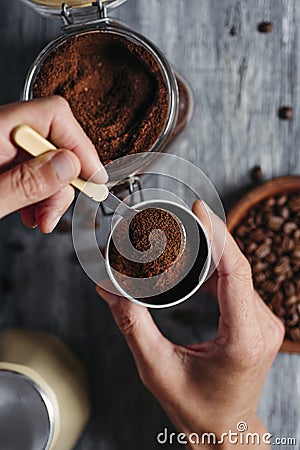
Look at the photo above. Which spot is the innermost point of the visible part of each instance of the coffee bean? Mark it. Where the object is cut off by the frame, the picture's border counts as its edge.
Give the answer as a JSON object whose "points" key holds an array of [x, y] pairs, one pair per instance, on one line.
{"points": [[277, 241], [271, 258], [280, 312], [260, 278], [282, 267], [281, 200], [251, 223], [280, 278], [285, 113], [296, 254], [284, 212], [296, 266], [289, 274], [294, 334], [262, 251], [258, 235], [291, 309], [251, 248], [296, 235], [242, 230], [265, 27], [287, 244], [277, 299], [289, 288], [259, 266], [293, 320], [294, 204], [289, 227], [270, 202], [275, 222], [270, 286], [256, 174], [292, 300]]}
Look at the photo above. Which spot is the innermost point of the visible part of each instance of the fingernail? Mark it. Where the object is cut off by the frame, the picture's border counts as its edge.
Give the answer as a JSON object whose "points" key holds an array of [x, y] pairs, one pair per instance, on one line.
{"points": [[52, 224], [64, 166], [100, 176]]}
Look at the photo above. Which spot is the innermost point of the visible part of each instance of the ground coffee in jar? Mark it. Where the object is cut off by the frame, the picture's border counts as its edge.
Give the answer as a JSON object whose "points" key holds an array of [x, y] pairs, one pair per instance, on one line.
{"points": [[269, 236], [115, 88]]}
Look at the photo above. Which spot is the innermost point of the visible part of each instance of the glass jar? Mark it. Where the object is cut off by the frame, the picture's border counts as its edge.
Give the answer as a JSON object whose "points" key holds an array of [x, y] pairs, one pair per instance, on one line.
{"points": [[43, 389], [83, 18]]}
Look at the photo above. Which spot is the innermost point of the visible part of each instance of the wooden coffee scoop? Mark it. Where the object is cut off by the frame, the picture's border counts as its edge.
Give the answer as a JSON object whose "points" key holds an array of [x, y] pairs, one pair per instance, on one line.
{"points": [[36, 145]]}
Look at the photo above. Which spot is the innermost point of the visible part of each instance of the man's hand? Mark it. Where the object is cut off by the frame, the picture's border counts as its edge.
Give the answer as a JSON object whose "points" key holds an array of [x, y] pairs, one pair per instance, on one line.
{"points": [[208, 387]]}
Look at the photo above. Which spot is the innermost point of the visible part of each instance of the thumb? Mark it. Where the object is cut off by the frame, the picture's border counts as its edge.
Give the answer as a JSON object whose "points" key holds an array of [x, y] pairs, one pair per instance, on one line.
{"points": [[150, 349], [37, 179]]}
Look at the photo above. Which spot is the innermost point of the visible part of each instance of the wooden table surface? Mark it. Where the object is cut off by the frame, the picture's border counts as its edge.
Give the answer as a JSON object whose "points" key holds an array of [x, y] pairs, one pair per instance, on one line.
{"points": [[240, 78]]}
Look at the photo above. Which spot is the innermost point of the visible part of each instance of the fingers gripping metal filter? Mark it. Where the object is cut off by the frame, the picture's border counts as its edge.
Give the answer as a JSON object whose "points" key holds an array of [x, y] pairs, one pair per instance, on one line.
{"points": [[153, 269], [162, 255]]}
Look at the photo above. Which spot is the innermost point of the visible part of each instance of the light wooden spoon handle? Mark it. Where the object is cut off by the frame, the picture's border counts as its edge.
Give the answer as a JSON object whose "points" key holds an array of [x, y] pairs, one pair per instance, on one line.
{"points": [[36, 145]]}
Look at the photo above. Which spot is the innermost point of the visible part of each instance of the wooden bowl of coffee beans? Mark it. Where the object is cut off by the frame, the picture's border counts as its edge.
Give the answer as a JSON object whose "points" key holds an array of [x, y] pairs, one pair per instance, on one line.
{"points": [[266, 226]]}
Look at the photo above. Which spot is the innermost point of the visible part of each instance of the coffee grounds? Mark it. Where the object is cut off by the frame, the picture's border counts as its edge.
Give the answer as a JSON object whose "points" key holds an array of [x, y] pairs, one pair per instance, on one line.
{"points": [[269, 236], [142, 224], [169, 282], [115, 88], [190, 281]]}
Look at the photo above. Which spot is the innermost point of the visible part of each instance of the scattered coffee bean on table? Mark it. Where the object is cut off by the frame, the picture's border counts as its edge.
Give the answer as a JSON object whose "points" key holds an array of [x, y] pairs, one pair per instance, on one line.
{"points": [[265, 27], [269, 236], [285, 113], [256, 174]]}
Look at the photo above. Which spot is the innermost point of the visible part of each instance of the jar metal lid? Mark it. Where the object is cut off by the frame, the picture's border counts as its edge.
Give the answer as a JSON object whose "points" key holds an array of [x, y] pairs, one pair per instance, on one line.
{"points": [[57, 3], [75, 3], [74, 11], [25, 413]]}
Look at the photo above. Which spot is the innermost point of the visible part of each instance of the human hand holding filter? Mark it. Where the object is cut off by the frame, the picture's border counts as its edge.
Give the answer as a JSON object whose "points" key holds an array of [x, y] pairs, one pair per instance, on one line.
{"points": [[208, 387]]}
